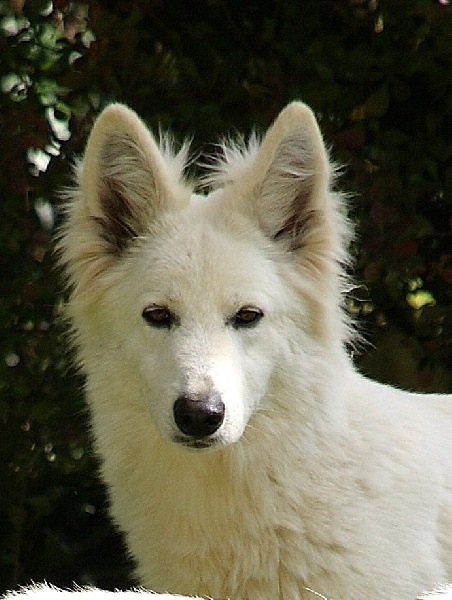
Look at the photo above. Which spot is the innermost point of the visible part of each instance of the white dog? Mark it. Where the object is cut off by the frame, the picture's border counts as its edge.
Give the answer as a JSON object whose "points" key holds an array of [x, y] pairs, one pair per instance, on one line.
{"points": [[245, 456]]}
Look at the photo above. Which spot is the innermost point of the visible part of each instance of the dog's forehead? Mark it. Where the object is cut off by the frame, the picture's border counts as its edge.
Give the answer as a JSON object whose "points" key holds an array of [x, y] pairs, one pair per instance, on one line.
{"points": [[200, 251]]}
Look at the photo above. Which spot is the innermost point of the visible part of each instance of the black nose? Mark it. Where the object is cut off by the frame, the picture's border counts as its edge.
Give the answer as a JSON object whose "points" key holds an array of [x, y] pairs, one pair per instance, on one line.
{"points": [[199, 415]]}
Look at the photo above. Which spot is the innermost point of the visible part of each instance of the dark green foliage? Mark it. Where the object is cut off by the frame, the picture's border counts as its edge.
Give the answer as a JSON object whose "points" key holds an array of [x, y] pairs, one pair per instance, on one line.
{"points": [[379, 76]]}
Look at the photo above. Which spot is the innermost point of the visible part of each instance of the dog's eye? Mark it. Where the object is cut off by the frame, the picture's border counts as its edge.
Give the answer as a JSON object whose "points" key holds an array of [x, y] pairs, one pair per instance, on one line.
{"points": [[158, 316], [247, 316]]}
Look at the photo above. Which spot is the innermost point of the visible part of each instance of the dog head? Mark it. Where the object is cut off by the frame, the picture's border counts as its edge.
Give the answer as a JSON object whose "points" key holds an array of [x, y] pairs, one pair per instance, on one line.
{"points": [[198, 306]]}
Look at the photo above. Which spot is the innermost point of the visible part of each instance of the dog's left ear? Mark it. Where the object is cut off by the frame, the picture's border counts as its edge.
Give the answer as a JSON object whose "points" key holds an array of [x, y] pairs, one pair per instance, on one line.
{"points": [[286, 183], [296, 180]]}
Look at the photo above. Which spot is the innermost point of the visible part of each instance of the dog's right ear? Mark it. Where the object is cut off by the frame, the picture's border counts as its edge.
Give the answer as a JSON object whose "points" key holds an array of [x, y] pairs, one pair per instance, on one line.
{"points": [[126, 178], [124, 181]]}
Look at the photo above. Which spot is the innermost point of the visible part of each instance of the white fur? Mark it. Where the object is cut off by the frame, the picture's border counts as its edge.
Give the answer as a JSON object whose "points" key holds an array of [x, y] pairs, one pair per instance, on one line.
{"points": [[317, 478], [443, 592], [50, 592]]}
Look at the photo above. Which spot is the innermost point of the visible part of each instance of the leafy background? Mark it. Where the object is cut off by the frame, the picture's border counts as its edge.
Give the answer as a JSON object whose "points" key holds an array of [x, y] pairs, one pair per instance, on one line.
{"points": [[378, 75]]}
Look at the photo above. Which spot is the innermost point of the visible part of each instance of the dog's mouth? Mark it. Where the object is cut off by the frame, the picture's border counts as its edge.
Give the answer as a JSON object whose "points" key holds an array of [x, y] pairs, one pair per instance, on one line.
{"points": [[204, 443]]}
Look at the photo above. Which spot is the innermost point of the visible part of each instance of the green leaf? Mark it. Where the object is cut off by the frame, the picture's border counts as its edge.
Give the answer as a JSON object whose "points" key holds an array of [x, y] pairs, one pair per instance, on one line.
{"points": [[377, 104]]}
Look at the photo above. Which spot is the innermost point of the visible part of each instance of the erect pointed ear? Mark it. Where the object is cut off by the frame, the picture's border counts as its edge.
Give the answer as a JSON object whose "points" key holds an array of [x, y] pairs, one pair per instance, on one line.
{"points": [[297, 174], [125, 178], [285, 182]]}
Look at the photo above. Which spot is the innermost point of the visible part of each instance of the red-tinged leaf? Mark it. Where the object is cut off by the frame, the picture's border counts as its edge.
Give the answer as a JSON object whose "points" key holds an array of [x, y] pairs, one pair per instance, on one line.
{"points": [[350, 138], [382, 214], [405, 249]]}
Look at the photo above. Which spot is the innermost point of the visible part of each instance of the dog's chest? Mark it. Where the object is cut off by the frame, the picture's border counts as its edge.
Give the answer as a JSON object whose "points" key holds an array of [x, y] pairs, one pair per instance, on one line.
{"points": [[238, 537]]}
